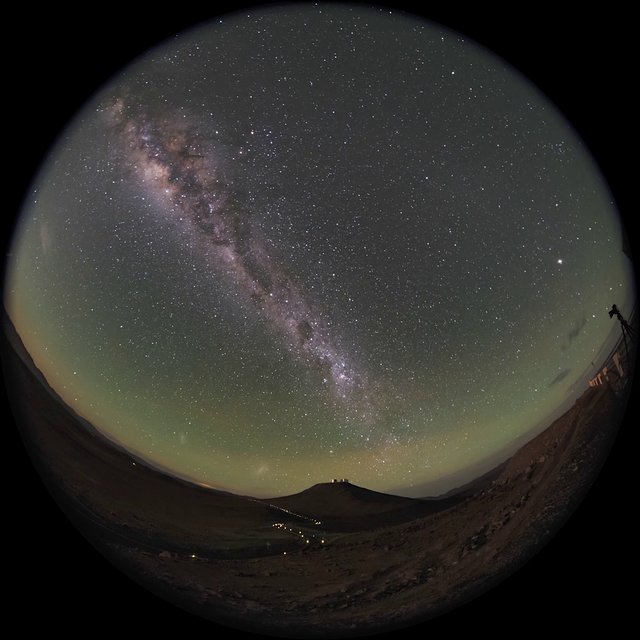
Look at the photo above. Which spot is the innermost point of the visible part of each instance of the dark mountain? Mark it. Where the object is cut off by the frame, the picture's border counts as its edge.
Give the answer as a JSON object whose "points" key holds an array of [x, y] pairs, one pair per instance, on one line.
{"points": [[474, 486], [340, 500], [347, 507]]}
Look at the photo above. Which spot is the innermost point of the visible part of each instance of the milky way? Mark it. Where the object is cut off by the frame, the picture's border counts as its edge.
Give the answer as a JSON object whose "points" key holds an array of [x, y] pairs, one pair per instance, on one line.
{"points": [[169, 159]]}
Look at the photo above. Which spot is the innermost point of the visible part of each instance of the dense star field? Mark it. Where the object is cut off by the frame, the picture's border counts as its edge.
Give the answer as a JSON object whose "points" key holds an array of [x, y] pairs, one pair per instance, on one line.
{"points": [[316, 242]]}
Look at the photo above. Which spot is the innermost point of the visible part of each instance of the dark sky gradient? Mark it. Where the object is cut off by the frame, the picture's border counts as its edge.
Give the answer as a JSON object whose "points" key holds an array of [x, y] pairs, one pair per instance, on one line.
{"points": [[433, 230]]}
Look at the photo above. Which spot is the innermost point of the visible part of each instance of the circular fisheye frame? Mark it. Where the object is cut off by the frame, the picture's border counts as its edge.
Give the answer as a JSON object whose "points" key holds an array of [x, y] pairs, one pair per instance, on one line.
{"points": [[319, 321]]}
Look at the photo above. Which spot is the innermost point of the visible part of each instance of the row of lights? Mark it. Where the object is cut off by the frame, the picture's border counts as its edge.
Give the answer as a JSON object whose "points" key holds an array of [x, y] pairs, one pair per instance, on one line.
{"points": [[282, 525]]}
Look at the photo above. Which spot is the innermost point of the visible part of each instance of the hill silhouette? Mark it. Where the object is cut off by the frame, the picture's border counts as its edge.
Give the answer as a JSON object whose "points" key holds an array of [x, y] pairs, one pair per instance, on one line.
{"points": [[341, 499], [348, 507]]}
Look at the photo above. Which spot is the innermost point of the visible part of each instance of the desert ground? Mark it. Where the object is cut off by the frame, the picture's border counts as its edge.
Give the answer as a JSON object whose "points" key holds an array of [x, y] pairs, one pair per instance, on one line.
{"points": [[337, 560]]}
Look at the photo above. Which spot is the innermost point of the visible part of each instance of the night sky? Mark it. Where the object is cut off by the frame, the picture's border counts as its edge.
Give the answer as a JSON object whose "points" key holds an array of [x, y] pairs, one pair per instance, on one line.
{"points": [[306, 243]]}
